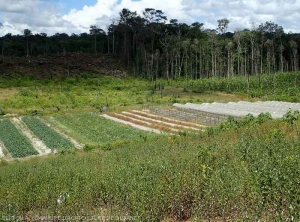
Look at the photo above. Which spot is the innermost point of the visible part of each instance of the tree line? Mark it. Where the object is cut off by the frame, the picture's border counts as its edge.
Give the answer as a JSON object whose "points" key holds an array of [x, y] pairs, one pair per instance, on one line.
{"points": [[154, 47]]}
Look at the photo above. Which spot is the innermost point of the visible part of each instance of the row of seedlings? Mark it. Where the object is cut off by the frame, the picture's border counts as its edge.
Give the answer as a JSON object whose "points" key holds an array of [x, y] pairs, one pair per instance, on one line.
{"points": [[29, 136]]}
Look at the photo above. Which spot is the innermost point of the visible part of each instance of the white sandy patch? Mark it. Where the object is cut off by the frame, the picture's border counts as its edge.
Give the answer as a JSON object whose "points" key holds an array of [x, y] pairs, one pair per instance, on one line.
{"points": [[36, 142], [75, 143], [1, 150], [132, 124], [5, 154], [161, 122]]}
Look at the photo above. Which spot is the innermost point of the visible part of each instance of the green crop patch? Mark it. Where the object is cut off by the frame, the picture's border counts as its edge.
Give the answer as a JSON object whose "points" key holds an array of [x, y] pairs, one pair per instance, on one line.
{"points": [[16, 143], [52, 139], [93, 129]]}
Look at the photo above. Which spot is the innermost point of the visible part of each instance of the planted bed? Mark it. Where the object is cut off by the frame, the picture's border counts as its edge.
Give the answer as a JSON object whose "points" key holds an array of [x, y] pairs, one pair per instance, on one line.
{"points": [[16, 143]]}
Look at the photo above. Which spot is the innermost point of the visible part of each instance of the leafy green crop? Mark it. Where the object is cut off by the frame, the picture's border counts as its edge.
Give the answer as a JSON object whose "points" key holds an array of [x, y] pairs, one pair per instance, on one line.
{"points": [[93, 129], [15, 142], [51, 138]]}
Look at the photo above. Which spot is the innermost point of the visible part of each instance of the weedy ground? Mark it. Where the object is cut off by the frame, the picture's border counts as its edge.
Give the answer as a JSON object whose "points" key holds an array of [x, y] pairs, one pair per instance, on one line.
{"points": [[27, 96], [246, 169]]}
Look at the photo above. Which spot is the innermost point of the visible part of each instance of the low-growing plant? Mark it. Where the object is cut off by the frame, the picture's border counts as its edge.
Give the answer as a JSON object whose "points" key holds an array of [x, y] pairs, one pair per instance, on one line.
{"points": [[103, 131], [291, 116], [51, 138], [1, 112], [233, 174], [89, 147], [16, 143], [263, 117]]}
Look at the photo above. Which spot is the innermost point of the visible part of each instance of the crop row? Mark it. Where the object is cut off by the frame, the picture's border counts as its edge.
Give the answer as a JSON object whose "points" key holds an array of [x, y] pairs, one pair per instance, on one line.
{"points": [[93, 129], [16, 143], [51, 138]]}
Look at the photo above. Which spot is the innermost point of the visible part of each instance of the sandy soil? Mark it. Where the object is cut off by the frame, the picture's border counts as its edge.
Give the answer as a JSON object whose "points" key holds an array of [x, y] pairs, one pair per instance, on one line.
{"points": [[160, 121], [36, 142], [133, 119], [152, 125], [146, 112], [132, 124]]}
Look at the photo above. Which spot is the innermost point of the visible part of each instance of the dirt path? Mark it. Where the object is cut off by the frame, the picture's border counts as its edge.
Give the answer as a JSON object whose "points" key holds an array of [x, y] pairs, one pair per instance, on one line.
{"points": [[75, 143], [36, 142], [132, 124], [178, 126]]}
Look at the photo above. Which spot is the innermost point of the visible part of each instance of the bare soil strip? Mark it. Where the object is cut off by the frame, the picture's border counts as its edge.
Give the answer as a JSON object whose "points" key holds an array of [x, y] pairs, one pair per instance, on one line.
{"points": [[150, 124], [36, 142], [132, 124], [171, 120], [132, 119], [151, 120], [75, 143]]}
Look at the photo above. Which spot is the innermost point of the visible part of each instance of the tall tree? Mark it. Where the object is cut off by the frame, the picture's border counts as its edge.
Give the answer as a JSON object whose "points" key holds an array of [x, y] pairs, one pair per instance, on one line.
{"points": [[295, 59], [223, 25], [237, 37], [94, 30], [27, 33]]}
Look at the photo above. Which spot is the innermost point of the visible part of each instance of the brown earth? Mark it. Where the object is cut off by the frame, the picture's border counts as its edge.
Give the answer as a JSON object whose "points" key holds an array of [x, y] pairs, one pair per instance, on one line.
{"points": [[71, 64]]}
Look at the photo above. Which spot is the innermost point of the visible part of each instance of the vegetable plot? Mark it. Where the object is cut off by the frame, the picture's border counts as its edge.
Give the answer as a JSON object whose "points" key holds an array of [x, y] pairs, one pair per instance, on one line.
{"points": [[93, 129], [52, 139], [16, 143]]}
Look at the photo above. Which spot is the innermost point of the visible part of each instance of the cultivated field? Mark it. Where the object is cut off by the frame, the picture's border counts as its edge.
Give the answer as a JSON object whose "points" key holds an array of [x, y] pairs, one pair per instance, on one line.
{"points": [[41, 136], [29, 136], [122, 149]]}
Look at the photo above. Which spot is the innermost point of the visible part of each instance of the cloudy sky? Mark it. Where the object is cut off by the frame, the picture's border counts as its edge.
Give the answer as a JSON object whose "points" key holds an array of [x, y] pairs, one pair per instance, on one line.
{"points": [[75, 16]]}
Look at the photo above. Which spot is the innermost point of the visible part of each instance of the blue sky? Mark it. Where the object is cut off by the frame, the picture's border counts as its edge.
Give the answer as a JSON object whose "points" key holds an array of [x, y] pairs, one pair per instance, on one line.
{"points": [[77, 4], [75, 16]]}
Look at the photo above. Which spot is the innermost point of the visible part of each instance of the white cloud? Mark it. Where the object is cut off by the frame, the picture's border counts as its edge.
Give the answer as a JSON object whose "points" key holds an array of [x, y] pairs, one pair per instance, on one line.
{"points": [[83, 19], [41, 16]]}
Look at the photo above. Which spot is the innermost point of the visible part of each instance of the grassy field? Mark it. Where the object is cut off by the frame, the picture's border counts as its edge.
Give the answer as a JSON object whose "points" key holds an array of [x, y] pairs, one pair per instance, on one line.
{"points": [[79, 94], [25, 96], [246, 169]]}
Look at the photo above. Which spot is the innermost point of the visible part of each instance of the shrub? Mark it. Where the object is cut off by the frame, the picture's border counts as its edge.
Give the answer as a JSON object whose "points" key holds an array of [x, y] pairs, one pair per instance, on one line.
{"points": [[291, 116]]}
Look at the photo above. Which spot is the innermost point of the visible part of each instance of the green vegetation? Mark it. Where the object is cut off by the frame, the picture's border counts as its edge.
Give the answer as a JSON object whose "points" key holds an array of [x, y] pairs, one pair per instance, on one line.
{"points": [[94, 130], [16, 143], [244, 169], [247, 169], [73, 94], [52, 139], [91, 94], [281, 86]]}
